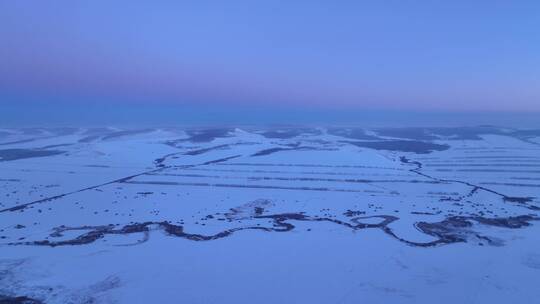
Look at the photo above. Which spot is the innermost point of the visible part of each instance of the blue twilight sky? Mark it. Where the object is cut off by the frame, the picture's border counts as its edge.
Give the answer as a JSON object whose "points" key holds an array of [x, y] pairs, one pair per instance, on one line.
{"points": [[457, 56]]}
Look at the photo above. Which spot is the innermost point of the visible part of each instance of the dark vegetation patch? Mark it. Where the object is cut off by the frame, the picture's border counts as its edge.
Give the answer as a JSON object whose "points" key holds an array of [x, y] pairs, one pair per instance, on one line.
{"points": [[202, 151], [93, 134], [278, 149], [97, 166], [22, 141], [430, 133], [88, 139], [353, 213], [288, 133], [126, 133], [15, 154], [450, 230], [407, 133], [54, 146], [466, 133], [456, 229], [354, 133], [419, 147], [18, 300], [455, 133], [527, 135], [208, 135], [201, 136], [422, 213], [520, 200], [507, 222]]}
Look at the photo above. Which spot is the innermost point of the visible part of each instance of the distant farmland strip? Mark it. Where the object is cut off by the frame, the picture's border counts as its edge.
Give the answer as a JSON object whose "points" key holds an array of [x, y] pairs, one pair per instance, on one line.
{"points": [[489, 170], [292, 172], [303, 179], [513, 184], [241, 186], [503, 156], [306, 165], [483, 165]]}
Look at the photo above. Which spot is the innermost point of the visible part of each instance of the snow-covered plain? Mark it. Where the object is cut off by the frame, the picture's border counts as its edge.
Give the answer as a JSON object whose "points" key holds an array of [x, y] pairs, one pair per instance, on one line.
{"points": [[269, 215]]}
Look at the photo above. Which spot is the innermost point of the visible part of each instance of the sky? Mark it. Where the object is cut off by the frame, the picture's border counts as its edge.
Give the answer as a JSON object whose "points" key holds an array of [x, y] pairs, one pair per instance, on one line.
{"points": [[181, 61]]}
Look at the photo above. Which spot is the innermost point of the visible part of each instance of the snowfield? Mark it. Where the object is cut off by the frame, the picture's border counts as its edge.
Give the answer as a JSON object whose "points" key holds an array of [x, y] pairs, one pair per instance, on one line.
{"points": [[269, 215]]}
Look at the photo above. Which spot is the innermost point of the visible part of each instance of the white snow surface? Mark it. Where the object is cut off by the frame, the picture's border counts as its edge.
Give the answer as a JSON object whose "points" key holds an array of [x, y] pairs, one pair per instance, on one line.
{"points": [[266, 215]]}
